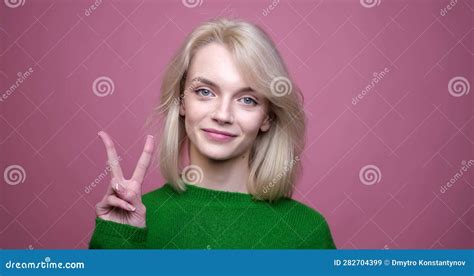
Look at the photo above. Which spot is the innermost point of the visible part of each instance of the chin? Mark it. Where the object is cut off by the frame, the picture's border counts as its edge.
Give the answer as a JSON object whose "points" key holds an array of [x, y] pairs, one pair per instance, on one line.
{"points": [[217, 154], [216, 151]]}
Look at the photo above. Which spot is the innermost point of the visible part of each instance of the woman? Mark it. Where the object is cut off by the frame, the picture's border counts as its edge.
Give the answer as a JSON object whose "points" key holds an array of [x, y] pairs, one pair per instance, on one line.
{"points": [[229, 107]]}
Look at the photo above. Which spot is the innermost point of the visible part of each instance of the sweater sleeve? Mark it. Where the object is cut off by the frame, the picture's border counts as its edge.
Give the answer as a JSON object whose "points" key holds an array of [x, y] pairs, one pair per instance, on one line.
{"points": [[113, 235], [321, 237]]}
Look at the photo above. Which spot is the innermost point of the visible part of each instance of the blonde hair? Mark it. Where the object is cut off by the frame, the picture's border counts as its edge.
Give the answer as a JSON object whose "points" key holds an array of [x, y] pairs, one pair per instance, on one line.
{"points": [[274, 155]]}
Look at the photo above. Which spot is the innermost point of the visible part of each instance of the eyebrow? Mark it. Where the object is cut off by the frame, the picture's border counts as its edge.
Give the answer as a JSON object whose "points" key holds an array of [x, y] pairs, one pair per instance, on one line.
{"points": [[210, 83]]}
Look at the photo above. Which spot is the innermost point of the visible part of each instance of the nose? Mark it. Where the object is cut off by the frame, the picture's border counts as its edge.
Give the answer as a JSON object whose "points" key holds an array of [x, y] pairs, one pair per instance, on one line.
{"points": [[222, 114]]}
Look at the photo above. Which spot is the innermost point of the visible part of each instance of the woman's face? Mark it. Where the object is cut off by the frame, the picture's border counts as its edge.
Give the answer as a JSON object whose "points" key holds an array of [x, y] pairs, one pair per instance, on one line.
{"points": [[217, 99]]}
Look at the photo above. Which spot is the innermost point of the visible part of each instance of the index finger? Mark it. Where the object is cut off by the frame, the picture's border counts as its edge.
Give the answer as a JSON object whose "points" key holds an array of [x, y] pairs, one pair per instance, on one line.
{"points": [[144, 161], [113, 159]]}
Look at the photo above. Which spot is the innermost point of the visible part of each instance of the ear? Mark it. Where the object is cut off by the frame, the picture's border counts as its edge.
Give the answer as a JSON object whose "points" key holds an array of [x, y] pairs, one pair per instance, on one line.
{"points": [[266, 124]]}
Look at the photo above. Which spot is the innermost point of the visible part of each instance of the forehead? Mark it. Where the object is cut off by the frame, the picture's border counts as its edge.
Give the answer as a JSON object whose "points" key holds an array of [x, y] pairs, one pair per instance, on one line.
{"points": [[216, 63]]}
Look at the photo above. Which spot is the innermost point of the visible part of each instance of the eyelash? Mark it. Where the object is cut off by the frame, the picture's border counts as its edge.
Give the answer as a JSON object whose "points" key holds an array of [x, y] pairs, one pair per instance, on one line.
{"points": [[198, 91]]}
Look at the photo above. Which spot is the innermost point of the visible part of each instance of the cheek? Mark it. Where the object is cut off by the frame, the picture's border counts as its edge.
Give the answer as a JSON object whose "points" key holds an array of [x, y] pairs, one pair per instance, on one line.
{"points": [[194, 113], [250, 122]]}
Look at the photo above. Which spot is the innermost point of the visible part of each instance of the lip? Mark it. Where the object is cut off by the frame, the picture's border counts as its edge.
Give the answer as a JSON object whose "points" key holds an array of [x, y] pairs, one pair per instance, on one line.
{"points": [[217, 135], [219, 132]]}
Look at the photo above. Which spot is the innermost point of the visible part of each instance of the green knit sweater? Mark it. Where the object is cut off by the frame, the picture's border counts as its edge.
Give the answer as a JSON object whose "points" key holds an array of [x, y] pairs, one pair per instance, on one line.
{"points": [[211, 219]]}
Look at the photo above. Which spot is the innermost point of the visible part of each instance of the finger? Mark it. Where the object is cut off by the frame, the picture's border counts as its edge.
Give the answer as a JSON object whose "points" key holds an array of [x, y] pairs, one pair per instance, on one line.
{"points": [[111, 189], [113, 159], [144, 161], [126, 194], [100, 208], [120, 203]]}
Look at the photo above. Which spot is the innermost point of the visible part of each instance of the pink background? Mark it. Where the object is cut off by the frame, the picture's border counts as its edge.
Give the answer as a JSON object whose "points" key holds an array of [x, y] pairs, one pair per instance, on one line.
{"points": [[409, 125]]}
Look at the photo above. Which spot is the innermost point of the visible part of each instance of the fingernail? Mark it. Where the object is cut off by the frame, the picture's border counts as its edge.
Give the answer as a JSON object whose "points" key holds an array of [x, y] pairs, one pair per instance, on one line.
{"points": [[117, 187], [131, 208], [151, 136]]}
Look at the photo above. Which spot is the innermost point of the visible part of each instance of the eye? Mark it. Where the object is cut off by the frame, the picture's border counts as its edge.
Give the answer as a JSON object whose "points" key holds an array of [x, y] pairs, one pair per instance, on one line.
{"points": [[249, 101], [203, 92]]}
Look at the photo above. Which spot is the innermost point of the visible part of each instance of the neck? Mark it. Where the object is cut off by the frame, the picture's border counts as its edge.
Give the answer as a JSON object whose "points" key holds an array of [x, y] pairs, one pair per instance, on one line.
{"points": [[225, 175]]}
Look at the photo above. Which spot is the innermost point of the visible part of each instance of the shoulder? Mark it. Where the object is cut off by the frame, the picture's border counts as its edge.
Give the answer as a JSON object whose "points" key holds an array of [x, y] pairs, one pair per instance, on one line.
{"points": [[164, 189], [158, 195], [308, 222], [294, 208]]}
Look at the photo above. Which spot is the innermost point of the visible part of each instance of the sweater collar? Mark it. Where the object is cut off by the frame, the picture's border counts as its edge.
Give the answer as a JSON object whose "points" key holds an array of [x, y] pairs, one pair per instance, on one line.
{"points": [[194, 192]]}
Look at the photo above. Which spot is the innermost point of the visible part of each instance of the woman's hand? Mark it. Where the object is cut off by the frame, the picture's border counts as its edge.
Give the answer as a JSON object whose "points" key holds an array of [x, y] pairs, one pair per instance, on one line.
{"points": [[123, 201]]}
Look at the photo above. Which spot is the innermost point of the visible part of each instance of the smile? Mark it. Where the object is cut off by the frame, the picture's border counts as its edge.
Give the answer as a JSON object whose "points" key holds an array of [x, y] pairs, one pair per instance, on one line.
{"points": [[219, 136]]}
